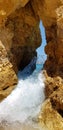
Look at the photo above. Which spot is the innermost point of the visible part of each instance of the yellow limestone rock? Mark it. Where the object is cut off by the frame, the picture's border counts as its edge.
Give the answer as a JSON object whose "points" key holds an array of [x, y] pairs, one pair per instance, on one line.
{"points": [[8, 78], [8, 6], [50, 119]]}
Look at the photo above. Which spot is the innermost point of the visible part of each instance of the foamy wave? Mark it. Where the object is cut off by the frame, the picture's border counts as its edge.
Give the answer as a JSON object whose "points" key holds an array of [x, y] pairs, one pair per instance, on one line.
{"points": [[25, 101]]}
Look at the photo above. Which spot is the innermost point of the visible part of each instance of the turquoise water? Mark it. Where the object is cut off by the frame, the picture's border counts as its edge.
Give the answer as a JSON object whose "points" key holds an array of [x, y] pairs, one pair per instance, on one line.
{"points": [[28, 70], [39, 67]]}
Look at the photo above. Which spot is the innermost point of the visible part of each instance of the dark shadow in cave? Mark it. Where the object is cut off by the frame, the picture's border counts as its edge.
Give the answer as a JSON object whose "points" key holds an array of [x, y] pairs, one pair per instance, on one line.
{"points": [[41, 57]]}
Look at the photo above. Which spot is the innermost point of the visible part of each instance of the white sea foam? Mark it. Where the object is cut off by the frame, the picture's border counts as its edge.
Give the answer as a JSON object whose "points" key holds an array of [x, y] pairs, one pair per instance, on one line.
{"points": [[25, 101]]}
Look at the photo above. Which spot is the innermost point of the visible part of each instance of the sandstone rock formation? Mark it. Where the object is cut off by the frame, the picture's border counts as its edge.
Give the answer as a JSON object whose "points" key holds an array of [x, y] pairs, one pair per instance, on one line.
{"points": [[54, 27], [50, 119], [19, 32], [25, 26], [10, 6], [56, 99], [20, 36], [52, 84], [50, 12], [6, 74], [54, 91], [51, 115]]}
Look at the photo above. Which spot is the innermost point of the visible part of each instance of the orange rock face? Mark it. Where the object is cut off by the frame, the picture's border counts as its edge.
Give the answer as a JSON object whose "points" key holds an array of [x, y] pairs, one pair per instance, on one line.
{"points": [[6, 73], [25, 27], [10, 6], [54, 91], [50, 119], [19, 38], [52, 19], [50, 12], [19, 31], [20, 34]]}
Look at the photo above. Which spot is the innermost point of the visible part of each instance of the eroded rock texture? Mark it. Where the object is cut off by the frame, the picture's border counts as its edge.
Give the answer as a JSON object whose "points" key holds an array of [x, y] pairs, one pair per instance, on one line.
{"points": [[51, 13], [54, 91], [10, 6], [19, 33], [52, 109], [54, 33], [25, 26], [19, 38], [6, 74], [19, 25], [50, 119]]}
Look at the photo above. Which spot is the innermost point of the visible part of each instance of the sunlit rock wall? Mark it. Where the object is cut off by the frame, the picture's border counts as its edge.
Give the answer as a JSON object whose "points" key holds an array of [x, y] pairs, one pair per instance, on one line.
{"points": [[51, 13]]}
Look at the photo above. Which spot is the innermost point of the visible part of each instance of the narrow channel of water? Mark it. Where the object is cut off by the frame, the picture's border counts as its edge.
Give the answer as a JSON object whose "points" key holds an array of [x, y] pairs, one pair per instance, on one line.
{"points": [[19, 110]]}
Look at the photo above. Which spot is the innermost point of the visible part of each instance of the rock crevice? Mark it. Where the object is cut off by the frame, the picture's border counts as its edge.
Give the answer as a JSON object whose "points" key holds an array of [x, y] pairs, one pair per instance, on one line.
{"points": [[19, 38]]}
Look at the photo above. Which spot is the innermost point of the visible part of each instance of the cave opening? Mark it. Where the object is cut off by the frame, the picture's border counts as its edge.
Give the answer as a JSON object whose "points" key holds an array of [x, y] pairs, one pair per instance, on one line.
{"points": [[41, 56]]}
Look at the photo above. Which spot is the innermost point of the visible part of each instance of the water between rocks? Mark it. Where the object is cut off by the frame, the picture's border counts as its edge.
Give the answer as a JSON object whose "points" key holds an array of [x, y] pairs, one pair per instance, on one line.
{"points": [[20, 109]]}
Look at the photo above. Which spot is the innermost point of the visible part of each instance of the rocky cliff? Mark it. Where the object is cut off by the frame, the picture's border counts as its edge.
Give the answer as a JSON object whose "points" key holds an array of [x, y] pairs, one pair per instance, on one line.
{"points": [[19, 34], [19, 38], [22, 17], [8, 78], [51, 13], [51, 114]]}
